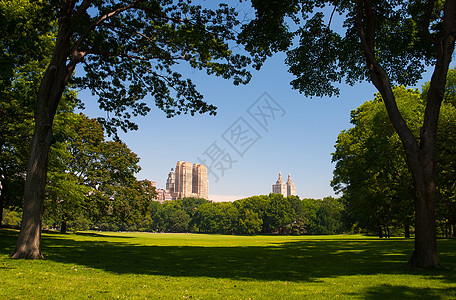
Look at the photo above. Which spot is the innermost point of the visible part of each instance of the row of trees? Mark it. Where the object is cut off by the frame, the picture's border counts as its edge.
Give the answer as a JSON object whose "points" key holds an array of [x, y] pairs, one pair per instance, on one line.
{"points": [[265, 214]]}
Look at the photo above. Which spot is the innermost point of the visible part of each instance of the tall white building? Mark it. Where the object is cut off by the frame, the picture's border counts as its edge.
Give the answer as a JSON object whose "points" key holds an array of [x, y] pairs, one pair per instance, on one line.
{"points": [[286, 189], [171, 181], [280, 187], [291, 189]]}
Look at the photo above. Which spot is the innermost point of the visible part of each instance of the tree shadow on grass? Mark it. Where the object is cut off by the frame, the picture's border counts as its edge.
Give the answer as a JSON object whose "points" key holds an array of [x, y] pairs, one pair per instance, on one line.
{"points": [[387, 291], [300, 261]]}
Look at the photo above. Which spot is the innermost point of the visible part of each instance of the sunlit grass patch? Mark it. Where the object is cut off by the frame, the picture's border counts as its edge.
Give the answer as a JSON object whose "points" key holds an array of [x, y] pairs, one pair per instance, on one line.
{"points": [[196, 266]]}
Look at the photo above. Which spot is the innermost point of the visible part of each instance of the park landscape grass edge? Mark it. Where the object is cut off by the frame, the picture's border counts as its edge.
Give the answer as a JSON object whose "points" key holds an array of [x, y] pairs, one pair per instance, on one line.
{"points": [[140, 265]]}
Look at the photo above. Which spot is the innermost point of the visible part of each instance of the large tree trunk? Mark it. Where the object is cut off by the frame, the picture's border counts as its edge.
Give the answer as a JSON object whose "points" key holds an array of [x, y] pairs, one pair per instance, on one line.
{"points": [[63, 227], [51, 89], [407, 230], [421, 156], [425, 253], [28, 244]]}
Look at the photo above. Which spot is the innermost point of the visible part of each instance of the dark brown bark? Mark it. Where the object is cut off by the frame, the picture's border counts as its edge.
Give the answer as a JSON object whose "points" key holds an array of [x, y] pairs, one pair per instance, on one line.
{"points": [[421, 157], [51, 89], [63, 227], [425, 252], [407, 230]]}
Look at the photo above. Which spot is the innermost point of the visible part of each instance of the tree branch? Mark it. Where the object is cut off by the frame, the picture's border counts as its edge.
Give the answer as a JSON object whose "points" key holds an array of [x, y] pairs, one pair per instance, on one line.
{"points": [[427, 22], [380, 78], [100, 21], [82, 9]]}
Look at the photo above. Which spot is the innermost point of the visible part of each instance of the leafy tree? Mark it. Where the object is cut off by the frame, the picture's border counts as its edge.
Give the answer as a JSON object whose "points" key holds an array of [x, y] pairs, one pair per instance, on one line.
{"points": [[256, 204], [11, 218], [386, 43], [116, 195], [371, 170], [205, 218], [25, 44], [299, 222], [128, 49], [278, 214], [323, 216], [92, 178], [190, 204], [228, 218], [171, 218], [328, 217], [446, 169], [250, 223], [310, 208]]}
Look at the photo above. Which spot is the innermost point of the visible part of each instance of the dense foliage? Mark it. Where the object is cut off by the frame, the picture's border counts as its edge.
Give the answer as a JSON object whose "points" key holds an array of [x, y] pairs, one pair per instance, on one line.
{"points": [[265, 214], [25, 46], [92, 178], [371, 170]]}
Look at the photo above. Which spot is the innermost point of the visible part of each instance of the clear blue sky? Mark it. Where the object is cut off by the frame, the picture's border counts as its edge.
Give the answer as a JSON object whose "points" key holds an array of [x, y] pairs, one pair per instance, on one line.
{"points": [[299, 142]]}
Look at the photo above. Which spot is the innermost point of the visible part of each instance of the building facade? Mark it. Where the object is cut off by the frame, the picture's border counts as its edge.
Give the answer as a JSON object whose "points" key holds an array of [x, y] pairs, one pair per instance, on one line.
{"points": [[291, 189], [184, 180], [280, 187], [286, 189], [171, 181], [188, 180], [199, 181]]}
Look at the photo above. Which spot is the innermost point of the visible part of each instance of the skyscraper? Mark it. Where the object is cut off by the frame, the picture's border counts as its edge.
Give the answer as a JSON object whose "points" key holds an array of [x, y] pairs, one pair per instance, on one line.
{"points": [[188, 181], [171, 181], [286, 189], [183, 185], [291, 189], [199, 181], [280, 187]]}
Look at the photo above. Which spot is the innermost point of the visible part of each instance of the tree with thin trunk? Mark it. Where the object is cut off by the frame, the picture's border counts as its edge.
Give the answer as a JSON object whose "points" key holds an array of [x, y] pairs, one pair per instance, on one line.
{"points": [[128, 50], [386, 43]]}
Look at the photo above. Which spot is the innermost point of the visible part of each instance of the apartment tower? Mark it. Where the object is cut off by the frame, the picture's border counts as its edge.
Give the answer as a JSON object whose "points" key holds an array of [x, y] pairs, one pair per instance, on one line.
{"points": [[280, 187], [286, 189], [188, 180]]}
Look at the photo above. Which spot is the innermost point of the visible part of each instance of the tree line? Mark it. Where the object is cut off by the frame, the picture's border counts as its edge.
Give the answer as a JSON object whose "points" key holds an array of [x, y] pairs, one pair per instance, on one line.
{"points": [[264, 214]]}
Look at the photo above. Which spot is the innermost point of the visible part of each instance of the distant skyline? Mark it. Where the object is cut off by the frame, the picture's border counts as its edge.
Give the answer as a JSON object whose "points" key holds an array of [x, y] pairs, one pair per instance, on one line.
{"points": [[299, 138]]}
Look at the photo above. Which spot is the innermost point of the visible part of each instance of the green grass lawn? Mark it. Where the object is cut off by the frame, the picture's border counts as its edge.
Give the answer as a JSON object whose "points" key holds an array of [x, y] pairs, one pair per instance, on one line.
{"points": [[193, 266]]}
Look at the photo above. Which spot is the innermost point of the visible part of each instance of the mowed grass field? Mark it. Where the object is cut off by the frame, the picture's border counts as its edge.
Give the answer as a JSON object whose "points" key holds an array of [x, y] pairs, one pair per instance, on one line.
{"points": [[93, 265]]}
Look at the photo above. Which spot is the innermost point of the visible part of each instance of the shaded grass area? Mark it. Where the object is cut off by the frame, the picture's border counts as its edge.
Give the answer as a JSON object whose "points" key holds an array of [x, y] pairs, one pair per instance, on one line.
{"points": [[176, 266]]}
